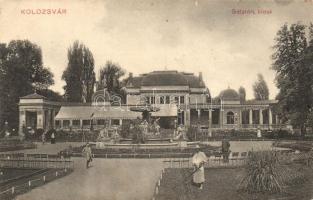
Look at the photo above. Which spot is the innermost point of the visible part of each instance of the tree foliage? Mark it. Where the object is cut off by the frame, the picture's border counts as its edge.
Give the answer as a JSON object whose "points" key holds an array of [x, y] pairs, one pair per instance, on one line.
{"points": [[79, 74], [242, 93], [110, 75], [260, 89], [293, 63], [20, 67], [51, 95], [110, 79]]}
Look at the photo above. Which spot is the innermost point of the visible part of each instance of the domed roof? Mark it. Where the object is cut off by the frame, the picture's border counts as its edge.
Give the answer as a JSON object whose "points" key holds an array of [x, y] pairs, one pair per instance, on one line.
{"points": [[229, 94], [164, 78]]}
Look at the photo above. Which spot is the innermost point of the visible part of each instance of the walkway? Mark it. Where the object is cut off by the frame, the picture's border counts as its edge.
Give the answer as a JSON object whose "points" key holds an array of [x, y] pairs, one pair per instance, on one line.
{"points": [[116, 179], [107, 179]]}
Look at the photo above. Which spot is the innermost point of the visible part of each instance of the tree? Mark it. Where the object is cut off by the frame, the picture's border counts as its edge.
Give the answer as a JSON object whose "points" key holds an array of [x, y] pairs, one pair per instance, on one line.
{"points": [[292, 61], [51, 95], [260, 89], [242, 93], [110, 76], [79, 74], [20, 67]]}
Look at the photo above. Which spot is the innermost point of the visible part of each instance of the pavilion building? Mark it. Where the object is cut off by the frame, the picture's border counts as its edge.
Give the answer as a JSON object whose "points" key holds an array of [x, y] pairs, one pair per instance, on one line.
{"points": [[182, 98]]}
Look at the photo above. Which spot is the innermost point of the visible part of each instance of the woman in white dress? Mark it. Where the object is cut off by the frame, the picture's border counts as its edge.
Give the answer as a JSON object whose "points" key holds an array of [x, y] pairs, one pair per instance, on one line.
{"points": [[198, 160]]}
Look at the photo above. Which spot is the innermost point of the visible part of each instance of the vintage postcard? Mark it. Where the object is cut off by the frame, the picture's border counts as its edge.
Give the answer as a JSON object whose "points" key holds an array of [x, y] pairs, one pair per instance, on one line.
{"points": [[156, 99]]}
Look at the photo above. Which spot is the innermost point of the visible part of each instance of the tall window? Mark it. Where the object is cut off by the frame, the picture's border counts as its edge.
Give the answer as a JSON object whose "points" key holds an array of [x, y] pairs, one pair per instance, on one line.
{"points": [[162, 100], [115, 122], [147, 100], [167, 99], [66, 123], [86, 122], [57, 123], [176, 100], [230, 118], [100, 122], [76, 122], [182, 99], [152, 101]]}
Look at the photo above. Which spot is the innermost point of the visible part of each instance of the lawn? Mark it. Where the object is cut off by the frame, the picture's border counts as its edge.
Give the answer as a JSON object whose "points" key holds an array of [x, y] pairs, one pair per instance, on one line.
{"points": [[222, 184], [9, 174]]}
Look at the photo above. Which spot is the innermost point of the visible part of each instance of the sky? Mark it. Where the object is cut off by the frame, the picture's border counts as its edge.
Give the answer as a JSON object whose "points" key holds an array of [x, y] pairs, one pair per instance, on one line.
{"points": [[213, 37]]}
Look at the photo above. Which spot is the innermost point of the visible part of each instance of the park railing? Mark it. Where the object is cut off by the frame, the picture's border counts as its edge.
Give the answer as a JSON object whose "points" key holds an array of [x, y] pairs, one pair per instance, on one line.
{"points": [[9, 191], [36, 161], [236, 159], [239, 159]]}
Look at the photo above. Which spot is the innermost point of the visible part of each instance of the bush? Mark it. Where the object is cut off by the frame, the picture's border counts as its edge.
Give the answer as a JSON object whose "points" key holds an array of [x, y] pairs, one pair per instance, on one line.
{"points": [[278, 134], [266, 172]]}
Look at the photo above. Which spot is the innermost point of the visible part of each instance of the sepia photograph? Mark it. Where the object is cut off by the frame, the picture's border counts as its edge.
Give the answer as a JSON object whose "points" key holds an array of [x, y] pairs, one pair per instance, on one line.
{"points": [[156, 99]]}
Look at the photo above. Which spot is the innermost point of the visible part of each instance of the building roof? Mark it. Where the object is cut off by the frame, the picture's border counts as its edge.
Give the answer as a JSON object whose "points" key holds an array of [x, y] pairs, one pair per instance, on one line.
{"points": [[33, 96], [229, 94], [115, 113], [75, 112], [166, 78], [260, 102], [95, 112]]}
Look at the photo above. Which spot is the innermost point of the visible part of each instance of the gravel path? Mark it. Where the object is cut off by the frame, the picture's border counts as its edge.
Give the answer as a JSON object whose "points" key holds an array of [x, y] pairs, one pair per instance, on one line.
{"points": [[107, 179]]}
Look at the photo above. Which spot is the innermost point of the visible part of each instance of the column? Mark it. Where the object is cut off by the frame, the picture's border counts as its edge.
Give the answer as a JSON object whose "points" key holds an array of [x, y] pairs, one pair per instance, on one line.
{"points": [[187, 117], [261, 116], [239, 118], [48, 120], [81, 123], [40, 118], [270, 118], [22, 122], [250, 117], [221, 118], [210, 123], [53, 118]]}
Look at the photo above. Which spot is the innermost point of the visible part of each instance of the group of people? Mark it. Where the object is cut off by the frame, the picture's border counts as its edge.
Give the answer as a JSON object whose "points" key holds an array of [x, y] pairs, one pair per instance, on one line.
{"points": [[107, 134], [45, 135], [154, 127]]}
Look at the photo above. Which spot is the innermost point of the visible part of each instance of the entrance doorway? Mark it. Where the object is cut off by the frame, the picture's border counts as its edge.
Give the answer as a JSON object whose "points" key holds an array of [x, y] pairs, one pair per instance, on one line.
{"points": [[181, 118], [31, 119]]}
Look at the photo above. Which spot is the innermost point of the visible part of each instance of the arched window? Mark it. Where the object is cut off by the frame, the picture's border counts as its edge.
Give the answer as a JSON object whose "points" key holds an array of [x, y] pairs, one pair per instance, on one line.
{"points": [[230, 118]]}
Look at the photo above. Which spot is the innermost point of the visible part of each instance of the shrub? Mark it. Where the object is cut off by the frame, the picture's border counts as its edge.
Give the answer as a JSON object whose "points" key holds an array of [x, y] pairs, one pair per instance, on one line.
{"points": [[266, 171]]}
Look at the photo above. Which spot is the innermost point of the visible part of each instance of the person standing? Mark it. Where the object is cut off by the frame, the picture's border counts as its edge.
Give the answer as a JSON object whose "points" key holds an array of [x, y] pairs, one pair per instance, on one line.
{"points": [[87, 154], [225, 150], [43, 137], [259, 133], [52, 138], [198, 161]]}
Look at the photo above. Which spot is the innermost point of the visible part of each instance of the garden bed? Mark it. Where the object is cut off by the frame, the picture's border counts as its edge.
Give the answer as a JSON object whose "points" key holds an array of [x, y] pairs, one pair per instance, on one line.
{"points": [[221, 184]]}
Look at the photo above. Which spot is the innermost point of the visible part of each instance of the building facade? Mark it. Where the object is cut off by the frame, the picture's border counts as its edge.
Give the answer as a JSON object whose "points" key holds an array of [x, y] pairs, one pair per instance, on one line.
{"points": [[194, 103], [182, 98]]}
